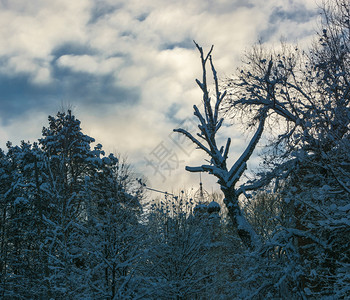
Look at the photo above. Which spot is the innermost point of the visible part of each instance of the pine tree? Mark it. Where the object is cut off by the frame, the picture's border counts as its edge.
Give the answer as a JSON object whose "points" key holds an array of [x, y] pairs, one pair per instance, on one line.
{"points": [[69, 218]]}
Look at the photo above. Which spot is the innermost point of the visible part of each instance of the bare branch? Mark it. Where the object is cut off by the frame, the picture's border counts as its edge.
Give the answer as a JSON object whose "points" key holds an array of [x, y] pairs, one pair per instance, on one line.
{"points": [[208, 127], [193, 139]]}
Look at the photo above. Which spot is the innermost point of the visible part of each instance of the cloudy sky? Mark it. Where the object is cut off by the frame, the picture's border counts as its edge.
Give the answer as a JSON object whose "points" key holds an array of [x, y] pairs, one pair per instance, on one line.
{"points": [[127, 69]]}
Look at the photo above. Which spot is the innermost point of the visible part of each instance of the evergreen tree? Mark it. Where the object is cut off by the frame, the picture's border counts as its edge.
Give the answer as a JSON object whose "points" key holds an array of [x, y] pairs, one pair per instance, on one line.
{"points": [[69, 218]]}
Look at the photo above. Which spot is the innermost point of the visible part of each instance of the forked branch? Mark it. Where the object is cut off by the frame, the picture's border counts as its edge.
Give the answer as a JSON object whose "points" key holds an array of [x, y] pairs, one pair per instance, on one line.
{"points": [[209, 125]]}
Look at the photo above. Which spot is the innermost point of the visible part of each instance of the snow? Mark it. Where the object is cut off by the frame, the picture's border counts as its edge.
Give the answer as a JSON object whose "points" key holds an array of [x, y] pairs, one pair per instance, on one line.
{"points": [[344, 208], [20, 201], [214, 205]]}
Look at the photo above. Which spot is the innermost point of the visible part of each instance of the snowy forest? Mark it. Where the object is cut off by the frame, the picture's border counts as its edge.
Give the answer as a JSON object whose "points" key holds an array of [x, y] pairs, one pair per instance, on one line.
{"points": [[74, 223]]}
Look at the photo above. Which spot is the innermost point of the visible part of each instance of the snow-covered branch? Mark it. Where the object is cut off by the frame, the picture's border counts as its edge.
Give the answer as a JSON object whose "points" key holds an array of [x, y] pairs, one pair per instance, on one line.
{"points": [[239, 167], [210, 124]]}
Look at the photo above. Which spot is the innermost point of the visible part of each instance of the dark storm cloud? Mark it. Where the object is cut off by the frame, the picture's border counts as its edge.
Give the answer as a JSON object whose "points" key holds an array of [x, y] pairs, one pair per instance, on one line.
{"points": [[296, 14], [142, 17], [18, 95], [100, 9], [95, 91], [71, 48], [172, 112], [185, 44]]}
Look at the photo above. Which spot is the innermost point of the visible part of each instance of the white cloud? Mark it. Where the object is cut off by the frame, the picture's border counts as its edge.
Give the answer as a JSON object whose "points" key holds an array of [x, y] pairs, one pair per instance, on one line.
{"points": [[141, 45], [90, 64], [32, 30], [38, 70]]}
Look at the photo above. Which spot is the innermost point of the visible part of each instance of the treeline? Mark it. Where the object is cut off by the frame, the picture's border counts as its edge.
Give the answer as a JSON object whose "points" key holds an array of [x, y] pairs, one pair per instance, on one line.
{"points": [[72, 227]]}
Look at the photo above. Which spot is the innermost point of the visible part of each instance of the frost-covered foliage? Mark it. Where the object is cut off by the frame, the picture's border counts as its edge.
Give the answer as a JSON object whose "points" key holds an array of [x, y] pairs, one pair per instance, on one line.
{"points": [[114, 235], [189, 252], [308, 160], [69, 218], [21, 232]]}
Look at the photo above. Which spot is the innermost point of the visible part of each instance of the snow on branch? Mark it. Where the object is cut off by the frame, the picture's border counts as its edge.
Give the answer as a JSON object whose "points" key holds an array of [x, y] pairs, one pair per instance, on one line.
{"points": [[209, 125], [238, 168], [193, 139]]}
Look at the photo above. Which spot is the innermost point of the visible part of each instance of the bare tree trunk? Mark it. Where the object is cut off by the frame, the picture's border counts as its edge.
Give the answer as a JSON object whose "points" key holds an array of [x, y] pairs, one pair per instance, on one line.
{"points": [[209, 124]]}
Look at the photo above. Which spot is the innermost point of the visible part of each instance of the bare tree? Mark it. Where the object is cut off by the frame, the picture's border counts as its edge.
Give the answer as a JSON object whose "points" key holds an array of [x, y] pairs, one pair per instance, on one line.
{"points": [[306, 93], [228, 177]]}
